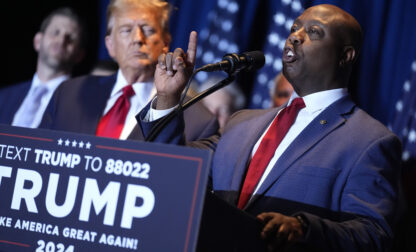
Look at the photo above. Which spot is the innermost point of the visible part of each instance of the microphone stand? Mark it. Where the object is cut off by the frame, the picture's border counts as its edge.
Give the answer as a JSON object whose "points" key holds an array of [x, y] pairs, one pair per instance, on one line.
{"points": [[159, 126], [209, 91]]}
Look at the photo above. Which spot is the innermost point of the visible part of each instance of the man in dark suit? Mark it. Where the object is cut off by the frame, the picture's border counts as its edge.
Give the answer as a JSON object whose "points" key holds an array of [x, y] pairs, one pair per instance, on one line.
{"points": [[59, 44], [137, 33], [330, 182]]}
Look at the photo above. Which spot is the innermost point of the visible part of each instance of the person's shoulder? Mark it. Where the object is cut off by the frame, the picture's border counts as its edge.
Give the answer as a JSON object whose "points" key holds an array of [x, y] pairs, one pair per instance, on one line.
{"points": [[250, 115], [368, 125], [245, 114], [87, 85], [18, 85], [20, 88], [357, 121], [86, 79]]}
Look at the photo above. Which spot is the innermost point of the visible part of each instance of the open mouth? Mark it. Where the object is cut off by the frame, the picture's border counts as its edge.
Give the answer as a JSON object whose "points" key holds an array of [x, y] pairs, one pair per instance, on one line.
{"points": [[289, 55]]}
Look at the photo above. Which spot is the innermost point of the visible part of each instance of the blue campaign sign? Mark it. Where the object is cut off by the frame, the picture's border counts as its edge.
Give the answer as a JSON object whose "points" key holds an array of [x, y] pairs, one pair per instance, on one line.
{"points": [[70, 192]]}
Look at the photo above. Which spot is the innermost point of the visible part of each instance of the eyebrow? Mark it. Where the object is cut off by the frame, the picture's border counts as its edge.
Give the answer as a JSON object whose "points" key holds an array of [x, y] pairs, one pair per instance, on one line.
{"points": [[125, 26], [312, 22]]}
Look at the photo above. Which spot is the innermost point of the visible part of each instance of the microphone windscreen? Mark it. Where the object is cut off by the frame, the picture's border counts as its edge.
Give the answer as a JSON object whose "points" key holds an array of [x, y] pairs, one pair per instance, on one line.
{"points": [[256, 58]]}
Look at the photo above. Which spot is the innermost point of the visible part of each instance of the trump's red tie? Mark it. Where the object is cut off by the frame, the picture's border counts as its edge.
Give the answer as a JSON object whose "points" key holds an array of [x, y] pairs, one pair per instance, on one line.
{"points": [[112, 123], [268, 145]]}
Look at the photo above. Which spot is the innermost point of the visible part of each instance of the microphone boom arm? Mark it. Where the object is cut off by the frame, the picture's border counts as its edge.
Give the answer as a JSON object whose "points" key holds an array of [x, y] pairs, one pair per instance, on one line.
{"points": [[209, 91]]}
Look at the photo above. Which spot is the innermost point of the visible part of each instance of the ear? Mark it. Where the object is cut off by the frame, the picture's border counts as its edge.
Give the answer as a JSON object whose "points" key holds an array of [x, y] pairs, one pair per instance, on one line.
{"points": [[348, 56], [37, 40], [109, 43]]}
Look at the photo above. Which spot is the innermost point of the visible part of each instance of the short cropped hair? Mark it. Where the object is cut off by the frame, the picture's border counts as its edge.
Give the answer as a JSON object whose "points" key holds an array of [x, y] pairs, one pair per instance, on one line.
{"points": [[69, 13], [161, 8]]}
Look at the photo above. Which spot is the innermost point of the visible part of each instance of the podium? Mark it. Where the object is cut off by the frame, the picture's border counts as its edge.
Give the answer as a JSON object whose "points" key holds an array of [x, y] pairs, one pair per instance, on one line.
{"points": [[226, 228], [73, 192]]}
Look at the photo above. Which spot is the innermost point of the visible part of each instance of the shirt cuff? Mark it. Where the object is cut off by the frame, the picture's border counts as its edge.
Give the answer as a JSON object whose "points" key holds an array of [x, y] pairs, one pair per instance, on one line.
{"points": [[154, 114]]}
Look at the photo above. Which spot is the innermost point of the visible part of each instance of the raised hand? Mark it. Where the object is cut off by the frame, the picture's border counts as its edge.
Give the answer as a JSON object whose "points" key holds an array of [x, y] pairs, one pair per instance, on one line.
{"points": [[172, 73], [279, 230]]}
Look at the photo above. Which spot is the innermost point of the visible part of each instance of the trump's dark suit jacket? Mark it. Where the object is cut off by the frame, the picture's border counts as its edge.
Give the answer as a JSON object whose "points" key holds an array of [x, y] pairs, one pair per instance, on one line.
{"points": [[341, 173], [78, 105]]}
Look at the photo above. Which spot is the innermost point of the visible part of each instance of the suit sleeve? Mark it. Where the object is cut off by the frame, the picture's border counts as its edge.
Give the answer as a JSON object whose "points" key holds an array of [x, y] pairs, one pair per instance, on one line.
{"points": [[173, 133], [370, 196]]}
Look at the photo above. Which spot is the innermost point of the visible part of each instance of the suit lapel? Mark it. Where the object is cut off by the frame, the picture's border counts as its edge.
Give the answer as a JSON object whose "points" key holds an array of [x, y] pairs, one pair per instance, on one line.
{"points": [[250, 133], [326, 122], [95, 97], [136, 134]]}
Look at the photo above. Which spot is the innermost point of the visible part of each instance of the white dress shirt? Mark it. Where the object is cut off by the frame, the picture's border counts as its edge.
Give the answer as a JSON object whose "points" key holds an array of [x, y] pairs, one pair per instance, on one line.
{"points": [[315, 104], [144, 91], [51, 87]]}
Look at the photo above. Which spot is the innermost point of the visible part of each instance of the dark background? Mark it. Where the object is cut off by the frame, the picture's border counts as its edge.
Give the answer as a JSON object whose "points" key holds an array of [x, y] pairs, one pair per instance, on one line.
{"points": [[20, 20]]}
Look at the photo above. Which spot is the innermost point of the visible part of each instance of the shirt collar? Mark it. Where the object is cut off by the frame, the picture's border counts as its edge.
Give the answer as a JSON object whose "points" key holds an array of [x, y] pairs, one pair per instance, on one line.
{"points": [[320, 100], [51, 84], [138, 87]]}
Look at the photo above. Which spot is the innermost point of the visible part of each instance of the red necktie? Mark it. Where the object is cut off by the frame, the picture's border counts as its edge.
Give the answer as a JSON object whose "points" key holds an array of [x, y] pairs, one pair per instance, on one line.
{"points": [[112, 123], [268, 145]]}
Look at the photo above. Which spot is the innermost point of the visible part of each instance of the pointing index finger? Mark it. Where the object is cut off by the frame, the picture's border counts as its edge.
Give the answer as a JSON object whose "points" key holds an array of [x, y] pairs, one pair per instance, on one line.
{"points": [[191, 53]]}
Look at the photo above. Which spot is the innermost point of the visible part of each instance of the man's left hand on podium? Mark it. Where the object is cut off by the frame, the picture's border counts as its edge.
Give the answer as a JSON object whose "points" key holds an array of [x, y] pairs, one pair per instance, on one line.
{"points": [[280, 230]]}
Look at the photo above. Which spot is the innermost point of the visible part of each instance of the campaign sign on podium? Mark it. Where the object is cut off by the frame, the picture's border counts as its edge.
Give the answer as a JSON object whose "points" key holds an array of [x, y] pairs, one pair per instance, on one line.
{"points": [[70, 192]]}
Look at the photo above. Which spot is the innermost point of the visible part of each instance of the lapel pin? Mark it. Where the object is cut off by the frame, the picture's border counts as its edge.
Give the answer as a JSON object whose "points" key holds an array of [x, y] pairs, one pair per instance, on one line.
{"points": [[322, 122]]}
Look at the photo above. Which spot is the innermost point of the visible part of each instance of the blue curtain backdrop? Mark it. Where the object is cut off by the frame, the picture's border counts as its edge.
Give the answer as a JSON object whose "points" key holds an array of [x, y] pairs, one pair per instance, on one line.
{"points": [[388, 49]]}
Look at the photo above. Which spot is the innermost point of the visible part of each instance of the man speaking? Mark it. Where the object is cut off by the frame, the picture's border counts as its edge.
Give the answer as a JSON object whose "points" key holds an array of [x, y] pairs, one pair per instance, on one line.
{"points": [[319, 173]]}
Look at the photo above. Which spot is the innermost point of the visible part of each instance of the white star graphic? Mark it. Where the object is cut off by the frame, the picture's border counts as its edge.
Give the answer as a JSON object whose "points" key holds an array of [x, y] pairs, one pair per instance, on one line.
{"points": [[60, 141], [88, 145], [74, 143], [67, 142], [81, 144]]}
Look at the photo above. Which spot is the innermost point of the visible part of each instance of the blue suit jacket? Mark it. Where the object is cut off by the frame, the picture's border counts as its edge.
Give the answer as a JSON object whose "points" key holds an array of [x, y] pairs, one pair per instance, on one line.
{"points": [[341, 173], [78, 105], [11, 97]]}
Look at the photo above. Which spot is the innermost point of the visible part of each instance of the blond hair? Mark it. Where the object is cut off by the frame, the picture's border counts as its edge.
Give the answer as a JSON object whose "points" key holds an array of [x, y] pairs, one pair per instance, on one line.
{"points": [[161, 8]]}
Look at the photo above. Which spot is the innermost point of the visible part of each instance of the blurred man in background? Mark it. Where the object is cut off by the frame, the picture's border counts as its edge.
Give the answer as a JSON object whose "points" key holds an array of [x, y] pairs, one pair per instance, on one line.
{"points": [[281, 91], [59, 44], [223, 102]]}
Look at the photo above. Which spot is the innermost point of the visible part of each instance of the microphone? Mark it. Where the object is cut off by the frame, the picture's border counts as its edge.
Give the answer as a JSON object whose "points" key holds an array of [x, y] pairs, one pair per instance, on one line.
{"points": [[233, 63]]}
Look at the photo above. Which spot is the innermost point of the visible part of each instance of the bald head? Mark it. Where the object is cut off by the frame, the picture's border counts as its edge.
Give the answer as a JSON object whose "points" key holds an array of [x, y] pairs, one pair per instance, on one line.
{"points": [[344, 28]]}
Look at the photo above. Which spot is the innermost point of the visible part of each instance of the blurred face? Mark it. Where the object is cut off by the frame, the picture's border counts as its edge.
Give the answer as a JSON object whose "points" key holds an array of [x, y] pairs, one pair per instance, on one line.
{"points": [[59, 46], [219, 103], [311, 53], [136, 40], [282, 92]]}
